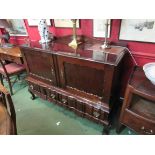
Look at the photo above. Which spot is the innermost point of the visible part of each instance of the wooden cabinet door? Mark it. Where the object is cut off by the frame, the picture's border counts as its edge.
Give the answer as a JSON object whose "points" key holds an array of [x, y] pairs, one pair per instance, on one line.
{"points": [[86, 78], [40, 65]]}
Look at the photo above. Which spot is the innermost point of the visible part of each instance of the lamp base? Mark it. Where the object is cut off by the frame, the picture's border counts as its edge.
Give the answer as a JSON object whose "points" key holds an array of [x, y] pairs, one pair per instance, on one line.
{"points": [[74, 44], [105, 46]]}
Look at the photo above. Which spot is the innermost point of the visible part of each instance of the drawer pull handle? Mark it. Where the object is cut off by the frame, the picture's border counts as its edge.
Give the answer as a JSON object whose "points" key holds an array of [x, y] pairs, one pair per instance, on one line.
{"points": [[53, 96], [96, 114], [142, 128], [64, 101], [145, 131], [148, 132], [31, 86]]}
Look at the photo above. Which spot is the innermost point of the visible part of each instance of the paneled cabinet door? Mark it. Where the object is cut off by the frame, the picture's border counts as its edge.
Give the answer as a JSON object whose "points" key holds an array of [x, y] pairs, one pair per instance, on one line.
{"points": [[81, 76], [40, 65]]}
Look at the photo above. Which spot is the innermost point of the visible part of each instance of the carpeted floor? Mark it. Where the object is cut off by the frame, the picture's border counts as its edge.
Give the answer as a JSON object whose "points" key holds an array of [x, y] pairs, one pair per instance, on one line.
{"points": [[39, 117]]}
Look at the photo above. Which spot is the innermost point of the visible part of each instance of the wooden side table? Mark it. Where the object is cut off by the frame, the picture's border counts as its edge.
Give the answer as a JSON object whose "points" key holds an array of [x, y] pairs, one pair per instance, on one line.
{"points": [[138, 110]]}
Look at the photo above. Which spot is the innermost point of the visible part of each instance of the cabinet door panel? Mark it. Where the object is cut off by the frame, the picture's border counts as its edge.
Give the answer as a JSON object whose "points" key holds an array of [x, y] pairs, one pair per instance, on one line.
{"points": [[80, 75], [40, 65]]}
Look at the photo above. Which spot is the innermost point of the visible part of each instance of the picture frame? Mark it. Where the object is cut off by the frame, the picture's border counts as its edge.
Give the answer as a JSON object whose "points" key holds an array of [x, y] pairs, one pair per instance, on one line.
{"points": [[139, 30], [34, 22], [99, 28], [18, 27], [65, 23]]}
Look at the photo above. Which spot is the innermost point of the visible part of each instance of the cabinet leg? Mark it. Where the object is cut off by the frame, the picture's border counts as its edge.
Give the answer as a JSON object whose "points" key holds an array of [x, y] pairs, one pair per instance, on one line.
{"points": [[33, 96], [106, 130], [119, 128]]}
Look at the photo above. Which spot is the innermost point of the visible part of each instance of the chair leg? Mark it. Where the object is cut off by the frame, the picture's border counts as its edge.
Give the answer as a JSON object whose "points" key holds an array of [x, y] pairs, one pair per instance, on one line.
{"points": [[18, 76], [10, 86], [1, 76]]}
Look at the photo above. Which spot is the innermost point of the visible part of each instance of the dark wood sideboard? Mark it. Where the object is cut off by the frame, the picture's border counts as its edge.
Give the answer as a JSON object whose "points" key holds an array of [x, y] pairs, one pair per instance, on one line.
{"points": [[85, 80]]}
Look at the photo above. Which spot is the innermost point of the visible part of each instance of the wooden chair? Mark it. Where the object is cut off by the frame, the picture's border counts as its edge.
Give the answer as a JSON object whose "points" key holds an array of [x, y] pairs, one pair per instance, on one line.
{"points": [[8, 70], [7, 113]]}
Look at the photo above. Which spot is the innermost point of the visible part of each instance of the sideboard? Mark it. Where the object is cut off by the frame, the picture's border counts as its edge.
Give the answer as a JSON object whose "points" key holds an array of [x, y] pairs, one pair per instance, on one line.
{"points": [[85, 80]]}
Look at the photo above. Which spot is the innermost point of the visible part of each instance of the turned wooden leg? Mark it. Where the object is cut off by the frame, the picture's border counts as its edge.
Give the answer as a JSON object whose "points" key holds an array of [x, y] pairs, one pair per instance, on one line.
{"points": [[1, 76], [18, 76], [33, 96]]}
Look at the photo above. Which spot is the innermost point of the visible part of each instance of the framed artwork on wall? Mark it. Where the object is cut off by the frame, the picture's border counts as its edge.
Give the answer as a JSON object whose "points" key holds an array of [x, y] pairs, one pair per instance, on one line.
{"points": [[34, 22], [65, 23], [99, 27], [17, 27], [142, 30]]}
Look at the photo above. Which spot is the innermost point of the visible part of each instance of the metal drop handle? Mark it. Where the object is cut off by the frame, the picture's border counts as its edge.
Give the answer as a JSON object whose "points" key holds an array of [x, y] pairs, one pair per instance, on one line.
{"points": [[96, 114], [53, 96], [145, 131], [64, 101], [31, 86]]}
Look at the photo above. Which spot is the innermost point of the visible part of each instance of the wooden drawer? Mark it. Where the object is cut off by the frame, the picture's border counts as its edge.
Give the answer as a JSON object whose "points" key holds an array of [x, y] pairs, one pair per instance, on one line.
{"points": [[80, 106], [71, 103], [63, 100], [138, 123], [34, 87], [43, 92], [96, 113], [52, 95]]}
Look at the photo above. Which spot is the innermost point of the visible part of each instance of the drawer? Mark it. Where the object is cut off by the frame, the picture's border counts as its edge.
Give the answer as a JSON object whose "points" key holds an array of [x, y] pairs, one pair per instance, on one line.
{"points": [[89, 109], [93, 111], [43, 92], [63, 100], [34, 87], [52, 95], [80, 106], [96, 113], [71, 102], [138, 123]]}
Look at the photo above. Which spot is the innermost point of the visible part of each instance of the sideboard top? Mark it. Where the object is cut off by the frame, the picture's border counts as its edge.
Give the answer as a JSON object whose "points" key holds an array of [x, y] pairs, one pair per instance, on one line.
{"points": [[88, 50]]}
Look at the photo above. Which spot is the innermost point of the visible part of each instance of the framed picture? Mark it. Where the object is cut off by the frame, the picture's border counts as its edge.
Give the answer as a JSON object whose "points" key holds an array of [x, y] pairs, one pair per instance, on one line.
{"points": [[34, 22], [18, 27], [65, 23], [142, 30], [99, 27]]}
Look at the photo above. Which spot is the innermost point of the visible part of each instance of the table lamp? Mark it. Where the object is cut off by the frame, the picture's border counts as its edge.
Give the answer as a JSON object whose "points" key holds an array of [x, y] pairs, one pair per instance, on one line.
{"points": [[74, 43], [5, 35], [106, 45]]}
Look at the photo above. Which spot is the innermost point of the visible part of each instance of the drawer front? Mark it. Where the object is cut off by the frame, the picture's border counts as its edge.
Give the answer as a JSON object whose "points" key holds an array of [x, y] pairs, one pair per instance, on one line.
{"points": [[96, 113], [80, 106], [43, 92], [34, 87], [63, 100], [137, 123], [71, 102], [52, 95]]}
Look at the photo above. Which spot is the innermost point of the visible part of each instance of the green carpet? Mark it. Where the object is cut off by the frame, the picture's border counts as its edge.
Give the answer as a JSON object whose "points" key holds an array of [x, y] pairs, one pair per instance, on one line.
{"points": [[39, 117]]}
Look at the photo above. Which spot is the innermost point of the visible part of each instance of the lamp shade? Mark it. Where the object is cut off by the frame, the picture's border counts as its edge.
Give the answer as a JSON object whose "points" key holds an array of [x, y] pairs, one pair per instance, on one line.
{"points": [[4, 23]]}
